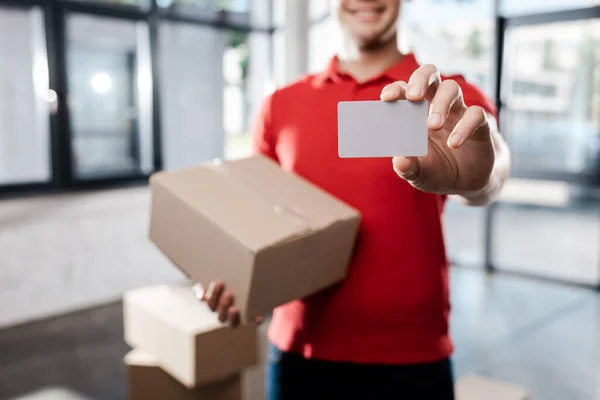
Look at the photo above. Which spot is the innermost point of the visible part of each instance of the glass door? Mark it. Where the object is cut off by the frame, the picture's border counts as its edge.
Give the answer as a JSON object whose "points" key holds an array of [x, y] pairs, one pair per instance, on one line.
{"points": [[109, 96]]}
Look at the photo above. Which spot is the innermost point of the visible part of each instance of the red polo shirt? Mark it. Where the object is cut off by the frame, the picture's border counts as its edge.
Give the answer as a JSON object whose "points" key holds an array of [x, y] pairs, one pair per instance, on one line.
{"points": [[393, 307]]}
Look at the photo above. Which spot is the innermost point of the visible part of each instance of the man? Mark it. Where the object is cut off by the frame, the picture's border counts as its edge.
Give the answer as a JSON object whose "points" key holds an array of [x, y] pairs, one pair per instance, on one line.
{"points": [[383, 332]]}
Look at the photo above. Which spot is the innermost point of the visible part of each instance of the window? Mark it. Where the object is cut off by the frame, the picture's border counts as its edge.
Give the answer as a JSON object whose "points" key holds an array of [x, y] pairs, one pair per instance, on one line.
{"points": [[551, 96], [110, 97], [208, 107], [457, 36], [24, 103]]}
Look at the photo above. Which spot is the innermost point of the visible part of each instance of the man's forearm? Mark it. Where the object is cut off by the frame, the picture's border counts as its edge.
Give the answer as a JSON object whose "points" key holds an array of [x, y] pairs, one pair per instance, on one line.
{"points": [[498, 177]]}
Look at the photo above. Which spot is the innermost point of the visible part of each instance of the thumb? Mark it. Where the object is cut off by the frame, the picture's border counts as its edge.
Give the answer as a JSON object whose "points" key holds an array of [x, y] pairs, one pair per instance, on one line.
{"points": [[407, 168]]}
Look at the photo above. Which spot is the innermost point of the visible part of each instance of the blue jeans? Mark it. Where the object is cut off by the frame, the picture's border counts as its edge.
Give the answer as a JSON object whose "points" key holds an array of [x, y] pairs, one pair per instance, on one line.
{"points": [[291, 376]]}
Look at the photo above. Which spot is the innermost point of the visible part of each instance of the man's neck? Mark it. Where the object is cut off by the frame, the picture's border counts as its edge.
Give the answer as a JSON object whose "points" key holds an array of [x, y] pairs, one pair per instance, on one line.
{"points": [[364, 64]]}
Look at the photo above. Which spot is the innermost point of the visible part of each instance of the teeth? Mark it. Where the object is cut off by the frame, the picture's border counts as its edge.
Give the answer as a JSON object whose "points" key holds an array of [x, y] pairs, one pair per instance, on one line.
{"points": [[366, 13]]}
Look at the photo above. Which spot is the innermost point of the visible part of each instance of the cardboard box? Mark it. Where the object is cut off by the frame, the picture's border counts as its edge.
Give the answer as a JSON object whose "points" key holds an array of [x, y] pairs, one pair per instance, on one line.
{"points": [[272, 236], [473, 387], [184, 336], [147, 381]]}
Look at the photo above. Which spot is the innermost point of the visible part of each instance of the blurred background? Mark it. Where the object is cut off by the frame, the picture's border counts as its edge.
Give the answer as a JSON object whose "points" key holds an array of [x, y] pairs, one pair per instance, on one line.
{"points": [[97, 95]]}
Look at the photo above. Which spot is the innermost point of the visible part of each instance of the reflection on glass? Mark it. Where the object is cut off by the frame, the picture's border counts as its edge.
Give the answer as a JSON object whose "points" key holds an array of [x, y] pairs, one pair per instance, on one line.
{"points": [[110, 97], [551, 93], [458, 37], [520, 7], [559, 237], [24, 102]]}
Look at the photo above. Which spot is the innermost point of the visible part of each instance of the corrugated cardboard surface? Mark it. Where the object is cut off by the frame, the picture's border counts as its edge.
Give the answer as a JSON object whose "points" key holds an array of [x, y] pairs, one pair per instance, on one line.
{"points": [[270, 235], [184, 336], [473, 387], [147, 381]]}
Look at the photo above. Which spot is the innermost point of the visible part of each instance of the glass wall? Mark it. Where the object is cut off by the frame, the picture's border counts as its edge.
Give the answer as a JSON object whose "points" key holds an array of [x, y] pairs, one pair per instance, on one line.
{"points": [[109, 79], [191, 93], [551, 119], [25, 99], [457, 36], [208, 107], [551, 97]]}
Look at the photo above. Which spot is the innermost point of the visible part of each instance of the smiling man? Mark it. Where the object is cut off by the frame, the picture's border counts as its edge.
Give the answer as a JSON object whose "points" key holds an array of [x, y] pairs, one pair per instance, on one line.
{"points": [[382, 333]]}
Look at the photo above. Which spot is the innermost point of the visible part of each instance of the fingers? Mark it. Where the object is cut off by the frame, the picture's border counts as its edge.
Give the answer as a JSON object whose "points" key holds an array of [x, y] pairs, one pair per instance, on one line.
{"points": [[221, 301], [423, 83], [225, 302], [407, 167], [394, 91], [234, 316], [213, 294], [448, 97], [474, 121]]}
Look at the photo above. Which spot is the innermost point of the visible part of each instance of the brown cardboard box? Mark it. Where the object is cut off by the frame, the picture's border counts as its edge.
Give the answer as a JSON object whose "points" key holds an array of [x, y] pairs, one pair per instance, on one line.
{"points": [[184, 336], [147, 381], [473, 387], [270, 235]]}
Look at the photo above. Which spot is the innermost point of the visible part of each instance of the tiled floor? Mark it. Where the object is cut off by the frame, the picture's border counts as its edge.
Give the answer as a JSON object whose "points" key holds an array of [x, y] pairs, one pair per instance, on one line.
{"points": [[540, 335]]}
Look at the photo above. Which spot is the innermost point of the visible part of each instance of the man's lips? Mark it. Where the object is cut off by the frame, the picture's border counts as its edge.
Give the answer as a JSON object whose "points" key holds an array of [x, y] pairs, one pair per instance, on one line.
{"points": [[367, 14]]}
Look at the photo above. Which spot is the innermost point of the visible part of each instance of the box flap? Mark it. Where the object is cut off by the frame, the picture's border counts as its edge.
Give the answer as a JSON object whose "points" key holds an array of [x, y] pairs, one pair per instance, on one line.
{"points": [[177, 305], [289, 192], [256, 222]]}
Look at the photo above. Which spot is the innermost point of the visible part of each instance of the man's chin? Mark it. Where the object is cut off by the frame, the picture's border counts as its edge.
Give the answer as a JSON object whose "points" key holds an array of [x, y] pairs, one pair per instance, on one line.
{"points": [[366, 43]]}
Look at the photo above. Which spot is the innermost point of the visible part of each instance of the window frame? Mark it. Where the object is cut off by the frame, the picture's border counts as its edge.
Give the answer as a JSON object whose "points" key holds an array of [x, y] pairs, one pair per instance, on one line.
{"points": [[56, 13]]}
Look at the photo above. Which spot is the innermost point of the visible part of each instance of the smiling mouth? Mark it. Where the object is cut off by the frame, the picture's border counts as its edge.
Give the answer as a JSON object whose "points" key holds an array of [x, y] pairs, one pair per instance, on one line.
{"points": [[367, 14]]}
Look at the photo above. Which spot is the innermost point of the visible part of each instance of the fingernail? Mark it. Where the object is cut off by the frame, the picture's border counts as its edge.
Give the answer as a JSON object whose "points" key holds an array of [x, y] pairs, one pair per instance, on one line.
{"points": [[454, 140], [435, 119], [414, 90], [390, 92], [403, 165]]}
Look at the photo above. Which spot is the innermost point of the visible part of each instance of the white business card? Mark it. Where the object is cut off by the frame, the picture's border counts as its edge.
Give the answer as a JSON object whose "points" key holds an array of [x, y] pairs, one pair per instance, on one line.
{"points": [[382, 129]]}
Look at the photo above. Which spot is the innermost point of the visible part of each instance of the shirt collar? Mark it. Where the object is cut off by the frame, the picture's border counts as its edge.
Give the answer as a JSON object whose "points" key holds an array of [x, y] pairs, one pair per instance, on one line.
{"points": [[399, 71]]}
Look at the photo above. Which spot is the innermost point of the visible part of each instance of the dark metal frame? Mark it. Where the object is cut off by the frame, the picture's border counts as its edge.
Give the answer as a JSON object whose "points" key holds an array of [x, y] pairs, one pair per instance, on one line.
{"points": [[55, 14]]}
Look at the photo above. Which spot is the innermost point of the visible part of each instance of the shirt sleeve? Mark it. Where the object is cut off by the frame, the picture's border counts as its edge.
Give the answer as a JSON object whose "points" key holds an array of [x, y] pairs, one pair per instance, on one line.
{"points": [[262, 134], [474, 96]]}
